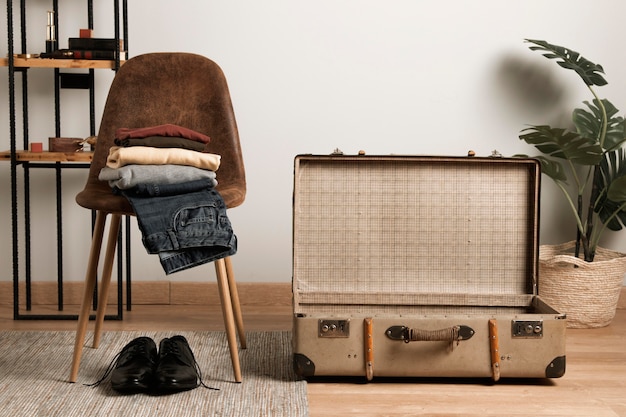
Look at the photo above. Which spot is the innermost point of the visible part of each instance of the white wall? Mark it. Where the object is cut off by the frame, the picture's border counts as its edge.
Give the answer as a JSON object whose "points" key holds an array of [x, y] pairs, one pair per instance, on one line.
{"points": [[399, 76]]}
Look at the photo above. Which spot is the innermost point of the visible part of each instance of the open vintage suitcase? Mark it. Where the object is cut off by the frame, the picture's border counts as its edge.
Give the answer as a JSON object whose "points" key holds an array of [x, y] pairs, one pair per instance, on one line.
{"points": [[420, 266]]}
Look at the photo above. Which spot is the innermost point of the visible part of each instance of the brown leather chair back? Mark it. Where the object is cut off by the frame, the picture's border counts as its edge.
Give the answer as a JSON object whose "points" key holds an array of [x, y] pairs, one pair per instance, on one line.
{"points": [[184, 89]]}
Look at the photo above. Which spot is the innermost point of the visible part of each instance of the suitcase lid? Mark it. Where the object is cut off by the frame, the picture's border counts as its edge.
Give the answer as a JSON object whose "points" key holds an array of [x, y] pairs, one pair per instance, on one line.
{"points": [[414, 229]]}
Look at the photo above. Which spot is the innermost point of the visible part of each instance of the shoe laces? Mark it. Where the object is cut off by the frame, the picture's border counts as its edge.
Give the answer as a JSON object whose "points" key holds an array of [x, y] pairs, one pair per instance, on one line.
{"points": [[135, 348]]}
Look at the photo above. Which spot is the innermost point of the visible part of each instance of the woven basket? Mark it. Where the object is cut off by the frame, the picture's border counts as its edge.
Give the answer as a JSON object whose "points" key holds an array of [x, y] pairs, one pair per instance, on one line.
{"points": [[587, 292]]}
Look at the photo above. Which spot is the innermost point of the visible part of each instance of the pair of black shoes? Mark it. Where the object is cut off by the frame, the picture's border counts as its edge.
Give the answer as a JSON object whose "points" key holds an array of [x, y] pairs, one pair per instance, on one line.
{"points": [[140, 368]]}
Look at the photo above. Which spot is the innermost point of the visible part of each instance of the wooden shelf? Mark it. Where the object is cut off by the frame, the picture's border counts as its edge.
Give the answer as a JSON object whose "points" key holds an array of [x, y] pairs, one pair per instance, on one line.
{"points": [[27, 156], [59, 63]]}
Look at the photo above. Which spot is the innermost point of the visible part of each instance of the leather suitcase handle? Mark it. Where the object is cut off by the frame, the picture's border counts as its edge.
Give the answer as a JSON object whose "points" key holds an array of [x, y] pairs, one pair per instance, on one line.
{"points": [[449, 334]]}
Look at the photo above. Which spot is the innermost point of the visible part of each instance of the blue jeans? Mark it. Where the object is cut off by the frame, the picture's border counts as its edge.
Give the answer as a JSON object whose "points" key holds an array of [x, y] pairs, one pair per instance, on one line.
{"points": [[186, 228]]}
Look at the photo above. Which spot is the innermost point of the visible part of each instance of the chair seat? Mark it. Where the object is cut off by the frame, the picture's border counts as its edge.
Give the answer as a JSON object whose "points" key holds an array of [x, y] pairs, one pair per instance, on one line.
{"points": [[99, 196], [233, 195]]}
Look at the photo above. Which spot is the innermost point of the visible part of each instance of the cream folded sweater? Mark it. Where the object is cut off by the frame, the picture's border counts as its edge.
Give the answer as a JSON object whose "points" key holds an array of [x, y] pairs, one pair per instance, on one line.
{"points": [[146, 155]]}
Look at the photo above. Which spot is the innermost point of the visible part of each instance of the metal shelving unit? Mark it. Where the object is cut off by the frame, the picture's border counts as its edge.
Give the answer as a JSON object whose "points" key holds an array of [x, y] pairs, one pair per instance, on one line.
{"points": [[19, 63]]}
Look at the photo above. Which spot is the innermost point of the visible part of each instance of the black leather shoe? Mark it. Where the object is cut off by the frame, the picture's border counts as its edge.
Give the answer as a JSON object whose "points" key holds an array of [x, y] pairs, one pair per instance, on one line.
{"points": [[134, 368], [177, 369]]}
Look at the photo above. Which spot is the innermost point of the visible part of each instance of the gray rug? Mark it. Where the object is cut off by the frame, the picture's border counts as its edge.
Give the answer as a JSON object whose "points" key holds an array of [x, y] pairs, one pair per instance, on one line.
{"points": [[34, 367]]}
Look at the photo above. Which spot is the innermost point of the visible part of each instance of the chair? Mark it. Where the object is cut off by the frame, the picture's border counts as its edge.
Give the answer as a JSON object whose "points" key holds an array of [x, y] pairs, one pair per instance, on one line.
{"points": [[148, 90]]}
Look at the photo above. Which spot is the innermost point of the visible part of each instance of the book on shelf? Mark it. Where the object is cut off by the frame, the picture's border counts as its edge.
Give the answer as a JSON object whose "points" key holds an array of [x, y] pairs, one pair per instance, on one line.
{"points": [[95, 44], [80, 54], [94, 54]]}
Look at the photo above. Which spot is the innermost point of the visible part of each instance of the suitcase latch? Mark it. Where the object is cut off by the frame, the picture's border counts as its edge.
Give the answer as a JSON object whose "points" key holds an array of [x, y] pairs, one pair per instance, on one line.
{"points": [[527, 329], [334, 328]]}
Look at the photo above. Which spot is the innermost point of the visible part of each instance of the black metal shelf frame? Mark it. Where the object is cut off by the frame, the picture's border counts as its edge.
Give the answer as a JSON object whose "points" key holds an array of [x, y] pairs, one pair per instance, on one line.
{"points": [[59, 78]]}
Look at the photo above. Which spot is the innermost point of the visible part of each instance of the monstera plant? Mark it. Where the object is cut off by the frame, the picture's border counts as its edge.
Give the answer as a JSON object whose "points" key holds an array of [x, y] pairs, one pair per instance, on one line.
{"points": [[587, 163]]}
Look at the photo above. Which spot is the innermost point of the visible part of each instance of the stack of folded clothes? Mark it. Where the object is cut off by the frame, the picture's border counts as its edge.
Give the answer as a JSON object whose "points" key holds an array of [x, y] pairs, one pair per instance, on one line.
{"points": [[168, 177]]}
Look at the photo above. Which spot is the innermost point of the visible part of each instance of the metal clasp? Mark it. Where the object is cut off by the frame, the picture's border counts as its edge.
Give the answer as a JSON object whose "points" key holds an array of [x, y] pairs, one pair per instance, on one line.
{"points": [[334, 328], [527, 329]]}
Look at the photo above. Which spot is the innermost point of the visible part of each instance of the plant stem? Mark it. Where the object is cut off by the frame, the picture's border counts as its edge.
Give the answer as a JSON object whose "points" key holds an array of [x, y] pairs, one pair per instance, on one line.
{"points": [[579, 213], [591, 249], [579, 223], [580, 187], [604, 119], [590, 212]]}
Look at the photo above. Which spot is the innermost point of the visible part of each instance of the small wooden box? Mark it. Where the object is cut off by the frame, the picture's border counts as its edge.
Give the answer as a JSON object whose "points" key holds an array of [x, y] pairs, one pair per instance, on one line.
{"points": [[65, 144]]}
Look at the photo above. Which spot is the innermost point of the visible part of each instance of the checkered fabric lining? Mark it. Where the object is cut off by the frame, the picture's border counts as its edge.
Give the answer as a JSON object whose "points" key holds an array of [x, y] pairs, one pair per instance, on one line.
{"points": [[382, 226]]}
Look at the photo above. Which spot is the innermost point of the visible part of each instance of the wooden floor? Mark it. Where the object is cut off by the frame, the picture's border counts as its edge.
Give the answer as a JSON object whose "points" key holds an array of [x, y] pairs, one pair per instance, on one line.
{"points": [[594, 384]]}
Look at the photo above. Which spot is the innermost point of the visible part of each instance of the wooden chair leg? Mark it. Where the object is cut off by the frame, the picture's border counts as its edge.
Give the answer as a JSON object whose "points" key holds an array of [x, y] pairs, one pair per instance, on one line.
{"points": [[90, 285], [107, 269], [227, 312], [234, 297]]}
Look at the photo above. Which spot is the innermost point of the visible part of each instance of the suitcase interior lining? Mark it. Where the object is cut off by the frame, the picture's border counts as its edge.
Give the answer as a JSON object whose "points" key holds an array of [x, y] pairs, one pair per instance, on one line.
{"points": [[326, 310], [420, 304], [412, 304], [372, 232]]}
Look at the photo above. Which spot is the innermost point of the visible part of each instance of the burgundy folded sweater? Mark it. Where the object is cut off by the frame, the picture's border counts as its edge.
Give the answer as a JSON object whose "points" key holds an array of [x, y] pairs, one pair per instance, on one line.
{"points": [[161, 130]]}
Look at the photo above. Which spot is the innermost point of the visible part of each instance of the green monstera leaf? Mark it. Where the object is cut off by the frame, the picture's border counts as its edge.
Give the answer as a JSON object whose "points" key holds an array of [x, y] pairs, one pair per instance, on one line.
{"points": [[560, 143], [589, 124], [611, 214], [568, 59], [612, 182], [550, 167], [593, 154], [617, 190]]}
